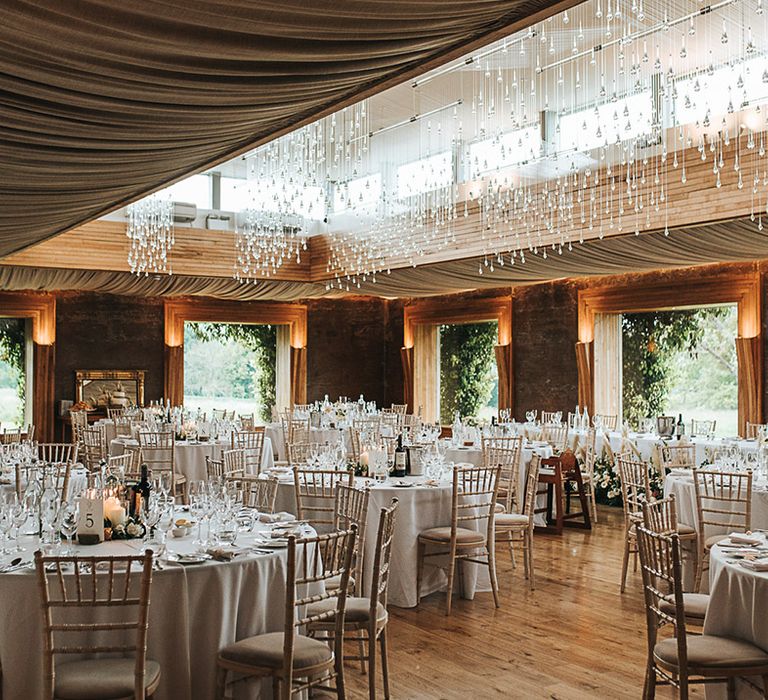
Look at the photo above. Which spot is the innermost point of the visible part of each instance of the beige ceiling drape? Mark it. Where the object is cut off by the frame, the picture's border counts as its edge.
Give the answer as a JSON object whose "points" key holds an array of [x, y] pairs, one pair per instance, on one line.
{"points": [[102, 101], [726, 242]]}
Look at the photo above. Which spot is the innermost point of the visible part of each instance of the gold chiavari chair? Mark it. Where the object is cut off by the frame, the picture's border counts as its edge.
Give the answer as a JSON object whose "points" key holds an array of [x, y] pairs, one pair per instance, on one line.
{"points": [[661, 517], [351, 508], [258, 492], [11, 436], [368, 615], [294, 429], [113, 413], [60, 473], [607, 421], [235, 464], [680, 659], [127, 464], [94, 448], [474, 496], [634, 475], [252, 443], [296, 662], [401, 408], [635, 484], [755, 431], [214, 468], [588, 470], [158, 452], [247, 421], [30, 432], [514, 525], [354, 444], [504, 452], [703, 427], [723, 502], [315, 491], [123, 426], [549, 417], [99, 584], [370, 426], [300, 453], [79, 422], [677, 457], [57, 452], [392, 420], [556, 434], [223, 414]]}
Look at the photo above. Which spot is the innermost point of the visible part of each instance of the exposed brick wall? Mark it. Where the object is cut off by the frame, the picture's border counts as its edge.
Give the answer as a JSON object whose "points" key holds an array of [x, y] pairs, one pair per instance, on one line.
{"points": [[347, 348], [105, 331], [544, 333]]}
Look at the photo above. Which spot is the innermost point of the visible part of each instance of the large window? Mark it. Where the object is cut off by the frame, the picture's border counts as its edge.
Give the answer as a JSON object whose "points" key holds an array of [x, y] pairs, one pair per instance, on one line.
{"points": [[230, 366], [504, 151], [425, 175], [469, 381], [13, 372], [681, 362]]}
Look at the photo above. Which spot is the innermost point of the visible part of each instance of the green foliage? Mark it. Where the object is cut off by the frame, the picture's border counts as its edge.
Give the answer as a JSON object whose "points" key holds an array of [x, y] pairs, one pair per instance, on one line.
{"points": [[650, 344], [466, 368], [12, 351], [243, 364]]}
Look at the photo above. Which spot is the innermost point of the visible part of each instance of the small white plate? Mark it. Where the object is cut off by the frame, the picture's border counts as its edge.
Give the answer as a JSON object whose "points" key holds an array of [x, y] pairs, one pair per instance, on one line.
{"points": [[191, 559]]}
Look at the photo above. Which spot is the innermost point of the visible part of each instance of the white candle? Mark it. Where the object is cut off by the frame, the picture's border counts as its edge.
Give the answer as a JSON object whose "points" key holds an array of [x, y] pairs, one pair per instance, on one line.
{"points": [[113, 511]]}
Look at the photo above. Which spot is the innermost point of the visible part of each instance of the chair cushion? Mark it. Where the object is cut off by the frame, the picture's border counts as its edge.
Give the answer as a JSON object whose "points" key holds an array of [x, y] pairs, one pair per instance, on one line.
{"points": [[443, 534], [683, 530], [499, 508], [267, 650], [694, 604], [709, 652], [357, 609], [333, 583], [100, 679], [510, 519]]}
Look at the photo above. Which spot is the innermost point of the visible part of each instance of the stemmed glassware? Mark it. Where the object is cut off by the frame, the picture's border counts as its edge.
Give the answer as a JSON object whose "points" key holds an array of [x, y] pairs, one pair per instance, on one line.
{"points": [[68, 517]]}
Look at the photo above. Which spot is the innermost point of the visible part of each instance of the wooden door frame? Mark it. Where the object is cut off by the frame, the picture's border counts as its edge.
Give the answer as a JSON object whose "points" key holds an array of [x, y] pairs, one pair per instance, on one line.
{"points": [[40, 308], [740, 287], [179, 311], [442, 310]]}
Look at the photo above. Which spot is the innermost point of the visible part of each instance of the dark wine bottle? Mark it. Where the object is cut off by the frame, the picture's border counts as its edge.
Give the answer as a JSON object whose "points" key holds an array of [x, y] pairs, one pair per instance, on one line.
{"points": [[399, 470], [140, 494], [680, 427]]}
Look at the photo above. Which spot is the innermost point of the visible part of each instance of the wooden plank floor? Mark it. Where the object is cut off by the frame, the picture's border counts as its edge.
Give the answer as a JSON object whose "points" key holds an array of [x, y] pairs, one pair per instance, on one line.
{"points": [[574, 637]]}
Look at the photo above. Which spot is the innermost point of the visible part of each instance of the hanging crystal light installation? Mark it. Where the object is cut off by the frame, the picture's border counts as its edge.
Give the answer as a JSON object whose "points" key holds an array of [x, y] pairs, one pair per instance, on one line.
{"points": [[150, 231], [603, 120]]}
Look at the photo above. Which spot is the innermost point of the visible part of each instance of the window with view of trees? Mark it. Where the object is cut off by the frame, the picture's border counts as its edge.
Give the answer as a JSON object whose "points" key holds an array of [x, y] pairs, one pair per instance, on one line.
{"points": [[681, 362], [469, 381], [12, 371], [230, 366]]}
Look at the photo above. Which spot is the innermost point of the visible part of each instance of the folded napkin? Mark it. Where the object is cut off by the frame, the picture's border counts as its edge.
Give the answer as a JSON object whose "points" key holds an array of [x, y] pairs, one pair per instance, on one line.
{"points": [[283, 532], [676, 471], [226, 553], [281, 517], [741, 538], [755, 564]]}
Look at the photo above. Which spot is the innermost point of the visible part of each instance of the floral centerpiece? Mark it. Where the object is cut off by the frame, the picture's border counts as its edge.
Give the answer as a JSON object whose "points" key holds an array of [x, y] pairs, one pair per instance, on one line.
{"points": [[608, 482], [131, 529]]}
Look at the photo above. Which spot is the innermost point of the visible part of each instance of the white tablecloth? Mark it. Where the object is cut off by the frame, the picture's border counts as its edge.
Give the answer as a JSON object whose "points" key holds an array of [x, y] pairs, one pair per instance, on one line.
{"points": [[194, 611], [78, 481], [190, 457], [736, 609], [685, 504], [420, 508]]}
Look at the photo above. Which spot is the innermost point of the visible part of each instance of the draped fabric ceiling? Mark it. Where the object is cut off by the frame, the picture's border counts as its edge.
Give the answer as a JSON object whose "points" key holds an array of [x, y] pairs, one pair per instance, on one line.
{"points": [[103, 101], [732, 241]]}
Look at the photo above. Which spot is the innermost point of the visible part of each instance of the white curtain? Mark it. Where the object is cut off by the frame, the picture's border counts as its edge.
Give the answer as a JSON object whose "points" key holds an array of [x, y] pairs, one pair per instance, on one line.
{"points": [[608, 363], [426, 370]]}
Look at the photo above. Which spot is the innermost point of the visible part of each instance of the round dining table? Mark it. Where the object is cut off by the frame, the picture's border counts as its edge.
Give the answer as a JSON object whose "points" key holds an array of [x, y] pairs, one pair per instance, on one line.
{"points": [[737, 600], [423, 504], [190, 455], [194, 611]]}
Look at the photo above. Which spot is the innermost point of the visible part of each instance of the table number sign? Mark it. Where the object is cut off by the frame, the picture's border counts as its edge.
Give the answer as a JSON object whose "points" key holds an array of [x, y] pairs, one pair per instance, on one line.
{"points": [[90, 524]]}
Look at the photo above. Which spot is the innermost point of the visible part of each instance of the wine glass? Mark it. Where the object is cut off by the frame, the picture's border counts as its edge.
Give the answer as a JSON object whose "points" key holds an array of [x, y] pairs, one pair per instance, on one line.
{"points": [[68, 517]]}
